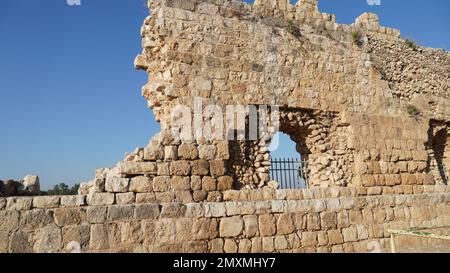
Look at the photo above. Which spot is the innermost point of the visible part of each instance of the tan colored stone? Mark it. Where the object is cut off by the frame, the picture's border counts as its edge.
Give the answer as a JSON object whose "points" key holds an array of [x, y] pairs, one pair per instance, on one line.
{"points": [[180, 168], [46, 202], [267, 225], [18, 203], [224, 183], [209, 183], [100, 199], [231, 226], [125, 198], [179, 183], [141, 184], [200, 167], [285, 224], [217, 167]]}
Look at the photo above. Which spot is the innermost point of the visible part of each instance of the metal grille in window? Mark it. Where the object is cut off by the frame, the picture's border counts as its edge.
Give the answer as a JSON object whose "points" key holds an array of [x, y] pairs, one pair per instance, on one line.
{"points": [[289, 173]]}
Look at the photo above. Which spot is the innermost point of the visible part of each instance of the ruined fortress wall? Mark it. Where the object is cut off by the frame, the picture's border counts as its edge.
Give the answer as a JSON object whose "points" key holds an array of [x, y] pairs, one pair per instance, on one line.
{"points": [[365, 112], [368, 111], [284, 221]]}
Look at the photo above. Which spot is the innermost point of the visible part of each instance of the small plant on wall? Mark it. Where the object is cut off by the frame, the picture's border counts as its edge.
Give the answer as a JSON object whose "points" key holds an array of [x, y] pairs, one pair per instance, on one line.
{"points": [[357, 38], [412, 110]]}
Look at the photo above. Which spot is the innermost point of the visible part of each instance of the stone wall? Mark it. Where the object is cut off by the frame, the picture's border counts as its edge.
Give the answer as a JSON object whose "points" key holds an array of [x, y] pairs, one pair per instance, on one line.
{"points": [[344, 102], [368, 111], [334, 220]]}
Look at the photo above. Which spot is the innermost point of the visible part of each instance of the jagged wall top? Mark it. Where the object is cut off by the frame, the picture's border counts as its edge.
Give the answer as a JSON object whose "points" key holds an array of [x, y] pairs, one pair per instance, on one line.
{"points": [[302, 11]]}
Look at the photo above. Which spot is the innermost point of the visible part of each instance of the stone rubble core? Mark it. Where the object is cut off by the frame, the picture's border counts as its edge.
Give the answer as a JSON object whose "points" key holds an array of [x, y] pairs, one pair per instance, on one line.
{"points": [[369, 112]]}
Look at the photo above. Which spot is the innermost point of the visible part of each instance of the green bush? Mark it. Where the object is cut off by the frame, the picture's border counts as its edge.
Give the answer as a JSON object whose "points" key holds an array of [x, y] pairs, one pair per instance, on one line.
{"points": [[411, 44], [412, 110], [357, 38]]}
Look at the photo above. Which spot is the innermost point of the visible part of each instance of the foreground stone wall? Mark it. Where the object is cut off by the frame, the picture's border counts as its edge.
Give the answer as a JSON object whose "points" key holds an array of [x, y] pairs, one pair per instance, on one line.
{"points": [[289, 221]]}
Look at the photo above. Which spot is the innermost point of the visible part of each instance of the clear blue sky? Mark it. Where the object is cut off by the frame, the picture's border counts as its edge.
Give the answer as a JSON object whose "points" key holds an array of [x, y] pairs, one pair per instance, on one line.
{"points": [[69, 95]]}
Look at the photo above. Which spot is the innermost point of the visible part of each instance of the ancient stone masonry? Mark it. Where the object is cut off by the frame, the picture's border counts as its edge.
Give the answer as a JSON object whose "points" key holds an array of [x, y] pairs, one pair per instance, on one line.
{"points": [[368, 111], [316, 220], [344, 102]]}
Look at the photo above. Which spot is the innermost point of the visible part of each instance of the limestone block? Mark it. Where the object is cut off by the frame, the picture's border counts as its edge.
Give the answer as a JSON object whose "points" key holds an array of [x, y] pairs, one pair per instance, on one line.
{"points": [[309, 238], [231, 226], [120, 212], [180, 183], [78, 233], [100, 199], [117, 184], [267, 225], [36, 218], [215, 210], [69, 216], [224, 183], [48, 240], [285, 224], [180, 168], [19, 203], [31, 185], [217, 167], [146, 211], [141, 184], [173, 210], [200, 167], [207, 152], [145, 197], [137, 168], [73, 201], [96, 215], [46, 202], [170, 153], [125, 198], [187, 151], [209, 184], [10, 220], [161, 183]]}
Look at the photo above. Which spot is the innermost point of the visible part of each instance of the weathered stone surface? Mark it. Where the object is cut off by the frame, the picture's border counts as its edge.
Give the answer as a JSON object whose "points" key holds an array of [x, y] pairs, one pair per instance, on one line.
{"points": [[161, 183], [187, 151], [125, 198], [117, 184], [96, 215], [73, 201], [18, 203], [137, 168], [231, 226], [9, 220], [267, 225], [100, 199], [285, 224], [31, 185], [76, 233], [37, 218], [20, 242], [200, 167], [180, 168], [146, 211], [120, 212], [48, 240], [141, 184], [45, 202], [98, 238], [69, 216]]}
